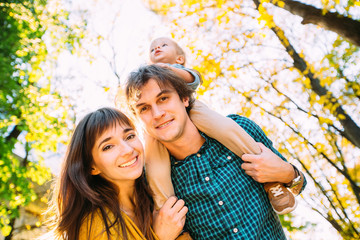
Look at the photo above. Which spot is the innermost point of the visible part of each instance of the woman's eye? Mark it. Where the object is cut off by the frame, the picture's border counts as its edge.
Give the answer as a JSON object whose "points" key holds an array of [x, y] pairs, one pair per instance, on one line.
{"points": [[107, 147], [130, 136]]}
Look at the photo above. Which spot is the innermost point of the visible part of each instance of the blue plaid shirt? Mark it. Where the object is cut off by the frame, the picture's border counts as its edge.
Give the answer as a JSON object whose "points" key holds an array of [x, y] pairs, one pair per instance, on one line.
{"points": [[224, 202]]}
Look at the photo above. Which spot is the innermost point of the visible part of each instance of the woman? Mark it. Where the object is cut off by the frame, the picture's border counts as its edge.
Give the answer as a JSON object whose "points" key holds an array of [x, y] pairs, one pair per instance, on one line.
{"points": [[102, 192]]}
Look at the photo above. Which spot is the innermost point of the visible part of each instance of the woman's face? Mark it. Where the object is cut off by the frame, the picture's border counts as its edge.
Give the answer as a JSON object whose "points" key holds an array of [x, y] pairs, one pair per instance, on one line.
{"points": [[118, 155]]}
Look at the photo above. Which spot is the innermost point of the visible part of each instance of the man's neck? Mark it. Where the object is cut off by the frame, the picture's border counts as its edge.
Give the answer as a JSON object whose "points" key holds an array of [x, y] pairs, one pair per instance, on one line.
{"points": [[188, 144]]}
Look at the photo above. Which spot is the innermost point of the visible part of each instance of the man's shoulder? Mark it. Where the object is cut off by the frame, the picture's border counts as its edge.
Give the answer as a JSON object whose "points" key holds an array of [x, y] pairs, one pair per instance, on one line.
{"points": [[241, 120], [247, 124]]}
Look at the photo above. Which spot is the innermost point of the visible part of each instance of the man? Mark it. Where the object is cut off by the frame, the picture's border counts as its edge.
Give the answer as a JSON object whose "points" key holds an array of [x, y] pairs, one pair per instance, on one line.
{"points": [[223, 192]]}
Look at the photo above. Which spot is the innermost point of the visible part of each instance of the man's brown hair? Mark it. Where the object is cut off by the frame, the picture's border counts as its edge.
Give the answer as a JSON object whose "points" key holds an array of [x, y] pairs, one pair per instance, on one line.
{"points": [[164, 78]]}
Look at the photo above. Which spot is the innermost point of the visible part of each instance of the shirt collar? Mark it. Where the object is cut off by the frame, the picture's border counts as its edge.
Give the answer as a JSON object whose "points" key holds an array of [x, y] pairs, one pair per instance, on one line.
{"points": [[175, 162]]}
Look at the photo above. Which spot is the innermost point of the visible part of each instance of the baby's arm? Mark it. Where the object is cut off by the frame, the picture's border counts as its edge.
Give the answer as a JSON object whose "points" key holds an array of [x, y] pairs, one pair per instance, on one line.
{"points": [[187, 76], [190, 76]]}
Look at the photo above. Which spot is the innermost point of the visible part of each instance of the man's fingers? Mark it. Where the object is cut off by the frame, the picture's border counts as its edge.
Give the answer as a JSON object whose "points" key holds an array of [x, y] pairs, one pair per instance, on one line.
{"points": [[247, 166], [250, 157], [254, 157]]}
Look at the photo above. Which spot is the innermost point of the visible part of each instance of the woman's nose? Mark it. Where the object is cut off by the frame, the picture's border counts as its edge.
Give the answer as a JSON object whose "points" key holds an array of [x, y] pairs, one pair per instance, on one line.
{"points": [[125, 149]]}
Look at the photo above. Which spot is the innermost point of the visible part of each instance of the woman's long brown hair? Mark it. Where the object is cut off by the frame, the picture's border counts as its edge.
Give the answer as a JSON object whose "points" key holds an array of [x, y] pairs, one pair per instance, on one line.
{"points": [[79, 194]]}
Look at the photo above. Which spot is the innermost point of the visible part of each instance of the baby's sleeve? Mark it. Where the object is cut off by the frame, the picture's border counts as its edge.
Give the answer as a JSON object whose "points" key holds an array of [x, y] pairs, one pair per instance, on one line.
{"points": [[196, 83]]}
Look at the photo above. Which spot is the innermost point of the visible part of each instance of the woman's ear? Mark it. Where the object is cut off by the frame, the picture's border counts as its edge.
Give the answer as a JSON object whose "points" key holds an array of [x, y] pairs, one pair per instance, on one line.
{"points": [[95, 171], [180, 59]]}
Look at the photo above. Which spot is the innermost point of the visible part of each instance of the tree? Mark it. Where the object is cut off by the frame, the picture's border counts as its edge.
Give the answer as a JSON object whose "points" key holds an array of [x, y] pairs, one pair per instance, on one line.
{"points": [[299, 82], [34, 117], [344, 26]]}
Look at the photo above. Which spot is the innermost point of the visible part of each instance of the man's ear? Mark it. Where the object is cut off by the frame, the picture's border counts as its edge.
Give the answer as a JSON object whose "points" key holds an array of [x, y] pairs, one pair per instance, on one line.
{"points": [[180, 59], [186, 101], [95, 170]]}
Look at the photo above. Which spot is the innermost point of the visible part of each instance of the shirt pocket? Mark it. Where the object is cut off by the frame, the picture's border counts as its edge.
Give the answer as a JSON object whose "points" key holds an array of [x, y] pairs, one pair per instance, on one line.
{"points": [[223, 157]]}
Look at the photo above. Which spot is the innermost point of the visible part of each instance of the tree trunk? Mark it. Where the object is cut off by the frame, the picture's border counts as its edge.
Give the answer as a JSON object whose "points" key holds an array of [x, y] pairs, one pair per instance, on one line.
{"points": [[346, 27], [12, 224], [14, 133], [351, 130]]}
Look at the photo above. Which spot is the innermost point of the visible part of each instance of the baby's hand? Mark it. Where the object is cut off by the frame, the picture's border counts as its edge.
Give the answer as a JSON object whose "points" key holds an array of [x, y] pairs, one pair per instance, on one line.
{"points": [[164, 65]]}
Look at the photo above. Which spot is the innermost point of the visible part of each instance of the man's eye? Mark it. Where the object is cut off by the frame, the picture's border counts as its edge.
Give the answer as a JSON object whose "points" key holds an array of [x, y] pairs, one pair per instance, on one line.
{"points": [[143, 109], [107, 147], [163, 99]]}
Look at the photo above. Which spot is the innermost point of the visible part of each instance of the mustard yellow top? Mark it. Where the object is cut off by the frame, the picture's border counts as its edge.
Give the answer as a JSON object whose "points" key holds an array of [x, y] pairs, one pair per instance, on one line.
{"points": [[98, 231]]}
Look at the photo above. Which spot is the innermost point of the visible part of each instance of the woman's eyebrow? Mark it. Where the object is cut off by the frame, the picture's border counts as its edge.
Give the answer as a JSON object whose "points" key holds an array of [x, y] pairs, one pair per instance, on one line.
{"points": [[126, 130], [104, 140]]}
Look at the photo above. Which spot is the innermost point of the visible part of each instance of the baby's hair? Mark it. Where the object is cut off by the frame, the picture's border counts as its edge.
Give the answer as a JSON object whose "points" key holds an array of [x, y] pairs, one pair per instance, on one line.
{"points": [[179, 50]]}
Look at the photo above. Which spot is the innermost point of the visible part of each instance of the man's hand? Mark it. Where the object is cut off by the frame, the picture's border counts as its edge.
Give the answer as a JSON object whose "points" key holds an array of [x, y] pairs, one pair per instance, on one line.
{"points": [[170, 219], [267, 167]]}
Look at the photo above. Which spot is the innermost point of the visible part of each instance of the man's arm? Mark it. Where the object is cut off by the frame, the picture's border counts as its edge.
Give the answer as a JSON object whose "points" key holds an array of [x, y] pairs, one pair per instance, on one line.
{"points": [[270, 165]]}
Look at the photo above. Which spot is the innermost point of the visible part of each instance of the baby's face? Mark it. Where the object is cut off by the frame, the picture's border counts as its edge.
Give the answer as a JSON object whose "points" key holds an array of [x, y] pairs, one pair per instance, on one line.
{"points": [[163, 50]]}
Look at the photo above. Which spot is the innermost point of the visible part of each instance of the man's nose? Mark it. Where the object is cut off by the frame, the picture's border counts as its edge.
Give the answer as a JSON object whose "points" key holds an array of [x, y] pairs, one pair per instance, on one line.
{"points": [[158, 112]]}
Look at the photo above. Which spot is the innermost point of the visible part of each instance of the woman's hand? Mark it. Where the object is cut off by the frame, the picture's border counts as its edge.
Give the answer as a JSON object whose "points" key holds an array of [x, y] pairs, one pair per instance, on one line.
{"points": [[170, 219]]}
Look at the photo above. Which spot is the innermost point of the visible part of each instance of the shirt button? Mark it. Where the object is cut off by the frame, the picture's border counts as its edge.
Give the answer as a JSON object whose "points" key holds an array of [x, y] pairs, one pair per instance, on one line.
{"points": [[198, 155], [229, 157], [235, 230], [207, 179], [221, 203]]}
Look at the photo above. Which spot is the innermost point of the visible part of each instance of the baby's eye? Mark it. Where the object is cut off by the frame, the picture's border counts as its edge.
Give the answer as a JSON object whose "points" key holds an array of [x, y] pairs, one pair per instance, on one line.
{"points": [[152, 50], [165, 44]]}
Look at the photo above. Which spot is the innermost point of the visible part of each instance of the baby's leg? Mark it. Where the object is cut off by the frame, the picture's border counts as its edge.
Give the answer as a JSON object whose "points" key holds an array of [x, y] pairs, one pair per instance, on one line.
{"points": [[158, 170], [231, 135]]}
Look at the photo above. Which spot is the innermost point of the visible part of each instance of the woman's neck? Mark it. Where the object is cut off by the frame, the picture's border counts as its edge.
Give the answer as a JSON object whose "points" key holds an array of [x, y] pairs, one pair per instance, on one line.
{"points": [[126, 198]]}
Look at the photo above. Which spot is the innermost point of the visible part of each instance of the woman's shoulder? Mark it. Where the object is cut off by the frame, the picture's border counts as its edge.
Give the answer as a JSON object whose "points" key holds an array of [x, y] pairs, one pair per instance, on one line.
{"points": [[93, 226]]}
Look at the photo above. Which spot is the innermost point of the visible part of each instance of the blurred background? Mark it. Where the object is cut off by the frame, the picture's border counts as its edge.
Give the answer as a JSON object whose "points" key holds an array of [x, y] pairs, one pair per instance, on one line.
{"points": [[293, 67]]}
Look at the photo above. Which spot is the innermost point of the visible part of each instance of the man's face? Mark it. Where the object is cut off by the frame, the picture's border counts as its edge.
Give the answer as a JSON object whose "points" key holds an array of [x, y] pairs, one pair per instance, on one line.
{"points": [[162, 112]]}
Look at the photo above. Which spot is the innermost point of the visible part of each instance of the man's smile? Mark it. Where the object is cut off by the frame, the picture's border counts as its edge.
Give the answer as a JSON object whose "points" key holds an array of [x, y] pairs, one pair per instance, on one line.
{"points": [[163, 125]]}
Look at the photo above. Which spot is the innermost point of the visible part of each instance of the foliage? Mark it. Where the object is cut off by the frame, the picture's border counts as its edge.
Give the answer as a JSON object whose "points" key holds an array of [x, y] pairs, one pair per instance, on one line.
{"points": [[299, 82], [34, 118]]}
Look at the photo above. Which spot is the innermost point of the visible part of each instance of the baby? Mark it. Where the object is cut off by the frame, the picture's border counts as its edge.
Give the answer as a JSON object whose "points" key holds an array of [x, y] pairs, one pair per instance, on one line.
{"points": [[167, 53]]}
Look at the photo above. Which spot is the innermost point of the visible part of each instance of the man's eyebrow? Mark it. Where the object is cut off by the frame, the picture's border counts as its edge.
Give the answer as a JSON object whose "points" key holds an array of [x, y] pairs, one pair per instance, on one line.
{"points": [[158, 95], [126, 130]]}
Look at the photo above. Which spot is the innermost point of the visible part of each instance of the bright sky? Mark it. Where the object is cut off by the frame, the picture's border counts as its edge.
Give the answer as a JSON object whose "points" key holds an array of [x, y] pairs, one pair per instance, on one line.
{"points": [[127, 28]]}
